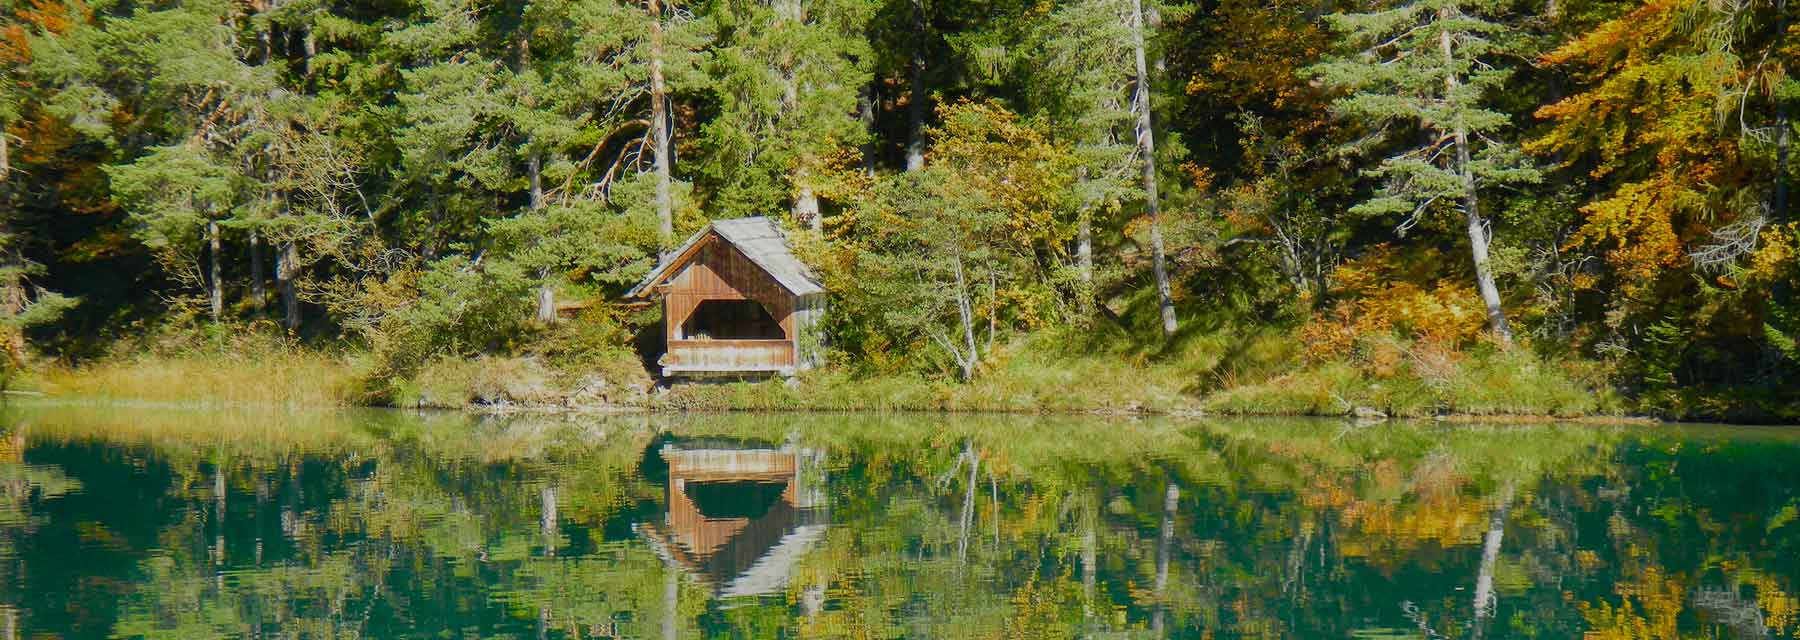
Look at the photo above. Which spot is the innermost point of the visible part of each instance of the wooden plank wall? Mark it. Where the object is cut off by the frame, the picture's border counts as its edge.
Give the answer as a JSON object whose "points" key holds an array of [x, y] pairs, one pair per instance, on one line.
{"points": [[718, 271]]}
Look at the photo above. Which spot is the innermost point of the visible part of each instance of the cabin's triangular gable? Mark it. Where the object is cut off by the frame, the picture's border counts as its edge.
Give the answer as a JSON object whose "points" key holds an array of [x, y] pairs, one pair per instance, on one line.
{"points": [[759, 239]]}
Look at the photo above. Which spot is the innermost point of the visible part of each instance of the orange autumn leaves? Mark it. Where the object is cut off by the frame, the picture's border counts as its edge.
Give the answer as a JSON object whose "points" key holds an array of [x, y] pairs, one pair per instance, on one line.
{"points": [[46, 15], [1663, 124], [1650, 122], [1383, 298]]}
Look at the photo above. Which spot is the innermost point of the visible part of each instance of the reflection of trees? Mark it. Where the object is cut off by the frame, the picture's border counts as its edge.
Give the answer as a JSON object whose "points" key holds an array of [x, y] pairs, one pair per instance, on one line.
{"points": [[1490, 556], [1395, 523], [390, 524], [1699, 532], [22, 487], [339, 525]]}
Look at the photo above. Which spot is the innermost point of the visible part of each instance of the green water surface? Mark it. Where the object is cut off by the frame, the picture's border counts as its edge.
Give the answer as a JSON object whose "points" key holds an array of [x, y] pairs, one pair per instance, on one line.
{"points": [[148, 522]]}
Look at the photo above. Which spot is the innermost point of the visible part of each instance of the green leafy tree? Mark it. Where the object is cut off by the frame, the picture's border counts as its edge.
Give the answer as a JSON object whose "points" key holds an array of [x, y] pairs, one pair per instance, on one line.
{"points": [[185, 175], [956, 245]]}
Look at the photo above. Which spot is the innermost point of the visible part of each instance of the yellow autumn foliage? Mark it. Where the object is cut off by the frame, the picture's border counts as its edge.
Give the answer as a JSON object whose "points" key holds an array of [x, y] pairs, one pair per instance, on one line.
{"points": [[1379, 300]]}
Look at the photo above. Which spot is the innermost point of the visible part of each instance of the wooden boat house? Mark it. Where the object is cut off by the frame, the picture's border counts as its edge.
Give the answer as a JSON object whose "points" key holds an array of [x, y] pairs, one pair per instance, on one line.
{"points": [[736, 302]]}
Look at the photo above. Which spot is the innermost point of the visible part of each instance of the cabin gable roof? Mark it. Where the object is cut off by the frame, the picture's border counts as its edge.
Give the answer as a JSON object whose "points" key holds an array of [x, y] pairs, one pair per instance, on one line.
{"points": [[760, 239]]}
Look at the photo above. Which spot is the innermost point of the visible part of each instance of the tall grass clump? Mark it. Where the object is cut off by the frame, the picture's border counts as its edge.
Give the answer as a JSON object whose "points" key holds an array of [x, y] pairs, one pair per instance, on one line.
{"points": [[222, 365], [1417, 378]]}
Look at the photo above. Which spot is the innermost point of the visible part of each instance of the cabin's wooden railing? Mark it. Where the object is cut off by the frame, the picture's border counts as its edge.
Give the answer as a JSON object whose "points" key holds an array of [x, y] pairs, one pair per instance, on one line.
{"points": [[729, 355]]}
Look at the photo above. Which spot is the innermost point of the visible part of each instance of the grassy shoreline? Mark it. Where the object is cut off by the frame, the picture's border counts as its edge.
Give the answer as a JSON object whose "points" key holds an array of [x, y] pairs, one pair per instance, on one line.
{"points": [[1039, 375], [1089, 386]]}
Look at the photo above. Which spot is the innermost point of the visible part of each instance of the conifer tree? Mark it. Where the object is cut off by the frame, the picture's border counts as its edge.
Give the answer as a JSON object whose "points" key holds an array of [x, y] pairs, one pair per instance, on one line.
{"points": [[1078, 76], [1432, 65], [182, 69], [787, 78]]}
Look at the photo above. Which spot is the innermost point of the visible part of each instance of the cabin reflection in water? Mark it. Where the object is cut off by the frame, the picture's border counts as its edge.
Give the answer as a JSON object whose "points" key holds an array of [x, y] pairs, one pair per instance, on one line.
{"points": [[739, 518]]}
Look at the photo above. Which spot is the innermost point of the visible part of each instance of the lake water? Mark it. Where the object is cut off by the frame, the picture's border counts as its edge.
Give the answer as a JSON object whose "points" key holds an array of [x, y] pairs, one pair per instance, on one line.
{"points": [[193, 524]]}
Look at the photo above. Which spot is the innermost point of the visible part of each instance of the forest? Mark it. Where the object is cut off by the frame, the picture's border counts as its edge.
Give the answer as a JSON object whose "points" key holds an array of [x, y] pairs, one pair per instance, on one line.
{"points": [[1295, 206]]}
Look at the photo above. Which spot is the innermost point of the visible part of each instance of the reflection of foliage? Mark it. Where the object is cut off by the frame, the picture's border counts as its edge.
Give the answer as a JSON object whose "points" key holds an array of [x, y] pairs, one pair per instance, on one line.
{"points": [[1648, 610], [390, 524], [21, 486], [617, 590]]}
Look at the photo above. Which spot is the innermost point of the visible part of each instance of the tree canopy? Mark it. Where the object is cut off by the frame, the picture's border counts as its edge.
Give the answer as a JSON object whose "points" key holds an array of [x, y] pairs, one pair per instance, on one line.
{"points": [[1597, 180]]}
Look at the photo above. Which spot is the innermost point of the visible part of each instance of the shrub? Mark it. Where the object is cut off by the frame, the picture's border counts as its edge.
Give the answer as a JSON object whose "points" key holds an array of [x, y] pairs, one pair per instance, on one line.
{"points": [[453, 307]]}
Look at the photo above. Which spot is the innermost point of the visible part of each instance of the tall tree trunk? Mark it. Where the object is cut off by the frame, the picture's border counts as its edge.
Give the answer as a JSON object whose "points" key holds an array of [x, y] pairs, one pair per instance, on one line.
{"points": [[546, 300], [257, 291], [1781, 124], [546, 294], [1477, 228], [865, 104], [806, 201], [1783, 293], [966, 313], [1084, 255], [534, 172], [806, 204], [660, 126], [287, 270], [265, 52], [215, 289], [1147, 147], [917, 99], [916, 108], [545, 312], [1165, 542], [309, 45], [805, 208]]}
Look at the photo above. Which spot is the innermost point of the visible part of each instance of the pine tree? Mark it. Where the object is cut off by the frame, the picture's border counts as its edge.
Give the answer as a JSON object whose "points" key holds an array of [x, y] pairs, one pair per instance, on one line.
{"points": [[787, 81], [1431, 65], [183, 69], [1078, 76]]}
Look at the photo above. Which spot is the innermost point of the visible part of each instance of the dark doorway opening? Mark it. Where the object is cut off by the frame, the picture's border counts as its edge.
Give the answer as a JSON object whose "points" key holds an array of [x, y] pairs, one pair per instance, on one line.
{"points": [[731, 320]]}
